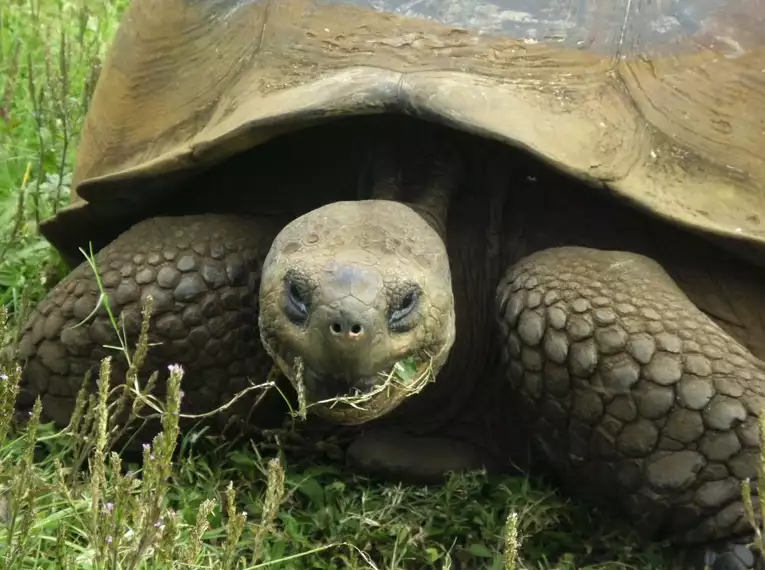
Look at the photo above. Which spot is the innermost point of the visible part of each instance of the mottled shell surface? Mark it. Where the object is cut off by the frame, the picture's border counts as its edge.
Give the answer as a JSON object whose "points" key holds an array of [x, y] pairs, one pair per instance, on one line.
{"points": [[661, 101]]}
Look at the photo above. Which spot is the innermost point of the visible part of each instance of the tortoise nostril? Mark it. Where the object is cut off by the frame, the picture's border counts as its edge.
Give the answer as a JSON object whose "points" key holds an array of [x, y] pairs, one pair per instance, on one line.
{"points": [[354, 330]]}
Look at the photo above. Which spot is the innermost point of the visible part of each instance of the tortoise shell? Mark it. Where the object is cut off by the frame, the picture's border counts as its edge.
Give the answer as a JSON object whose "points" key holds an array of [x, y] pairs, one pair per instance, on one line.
{"points": [[663, 103]]}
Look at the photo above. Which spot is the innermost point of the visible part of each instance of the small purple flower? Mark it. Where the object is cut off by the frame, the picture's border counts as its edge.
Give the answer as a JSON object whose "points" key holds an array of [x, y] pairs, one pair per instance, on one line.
{"points": [[108, 507], [108, 540], [3, 377]]}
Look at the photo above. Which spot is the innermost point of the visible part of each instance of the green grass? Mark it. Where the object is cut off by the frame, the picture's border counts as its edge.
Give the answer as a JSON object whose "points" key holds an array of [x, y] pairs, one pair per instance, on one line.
{"points": [[50, 55], [192, 501]]}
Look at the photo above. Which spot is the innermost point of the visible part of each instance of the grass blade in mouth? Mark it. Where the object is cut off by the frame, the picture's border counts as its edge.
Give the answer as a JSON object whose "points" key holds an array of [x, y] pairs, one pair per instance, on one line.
{"points": [[408, 374]]}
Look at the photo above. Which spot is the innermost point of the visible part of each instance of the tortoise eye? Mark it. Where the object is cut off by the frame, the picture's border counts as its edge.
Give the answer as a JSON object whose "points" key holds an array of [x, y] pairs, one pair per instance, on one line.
{"points": [[295, 294], [296, 306], [407, 302], [398, 321]]}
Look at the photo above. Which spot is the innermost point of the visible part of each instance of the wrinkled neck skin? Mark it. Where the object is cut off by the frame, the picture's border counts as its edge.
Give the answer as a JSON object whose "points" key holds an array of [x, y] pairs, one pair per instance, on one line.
{"points": [[467, 400], [430, 196]]}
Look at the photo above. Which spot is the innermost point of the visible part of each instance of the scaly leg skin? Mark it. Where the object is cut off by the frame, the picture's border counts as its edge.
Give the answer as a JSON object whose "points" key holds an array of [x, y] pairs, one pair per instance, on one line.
{"points": [[634, 396], [203, 273]]}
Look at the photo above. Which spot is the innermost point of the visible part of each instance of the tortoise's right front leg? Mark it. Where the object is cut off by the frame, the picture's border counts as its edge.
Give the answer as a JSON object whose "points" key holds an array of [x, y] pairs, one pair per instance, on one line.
{"points": [[203, 273], [635, 396]]}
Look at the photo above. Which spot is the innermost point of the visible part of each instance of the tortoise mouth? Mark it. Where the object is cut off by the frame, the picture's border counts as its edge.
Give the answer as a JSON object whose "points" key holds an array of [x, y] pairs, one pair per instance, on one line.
{"points": [[328, 388], [351, 399]]}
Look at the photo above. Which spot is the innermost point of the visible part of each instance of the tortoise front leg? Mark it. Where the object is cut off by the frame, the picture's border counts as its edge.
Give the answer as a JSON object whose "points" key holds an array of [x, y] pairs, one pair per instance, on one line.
{"points": [[203, 273], [634, 396]]}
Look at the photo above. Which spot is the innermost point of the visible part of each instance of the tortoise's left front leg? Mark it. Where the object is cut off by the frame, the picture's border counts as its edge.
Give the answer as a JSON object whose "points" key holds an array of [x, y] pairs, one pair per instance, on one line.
{"points": [[634, 396]]}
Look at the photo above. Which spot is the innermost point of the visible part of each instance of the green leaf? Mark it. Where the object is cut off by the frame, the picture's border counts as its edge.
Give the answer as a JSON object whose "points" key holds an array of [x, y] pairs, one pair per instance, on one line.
{"points": [[311, 489], [405, 370], [478, 549], [432, 554]]}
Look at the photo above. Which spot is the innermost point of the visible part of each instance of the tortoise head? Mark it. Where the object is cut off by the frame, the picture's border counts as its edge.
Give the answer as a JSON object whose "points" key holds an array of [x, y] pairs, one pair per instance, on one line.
{"points": [[356, 307]]}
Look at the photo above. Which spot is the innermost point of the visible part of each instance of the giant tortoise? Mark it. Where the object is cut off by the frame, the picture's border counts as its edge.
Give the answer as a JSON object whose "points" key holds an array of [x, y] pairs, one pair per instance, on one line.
{"points": [[553, 208]]}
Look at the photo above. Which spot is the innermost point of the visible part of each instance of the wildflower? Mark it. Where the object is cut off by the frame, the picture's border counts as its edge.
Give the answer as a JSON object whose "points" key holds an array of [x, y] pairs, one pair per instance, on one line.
{"points": [[3, 376], [108, 540], [108, 507], [147, 448]]}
